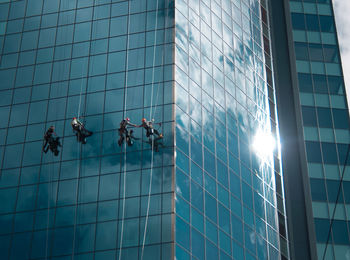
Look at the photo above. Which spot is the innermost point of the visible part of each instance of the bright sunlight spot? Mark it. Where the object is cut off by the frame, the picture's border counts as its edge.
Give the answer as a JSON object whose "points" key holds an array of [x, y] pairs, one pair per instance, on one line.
{"points": [[263, 144]]}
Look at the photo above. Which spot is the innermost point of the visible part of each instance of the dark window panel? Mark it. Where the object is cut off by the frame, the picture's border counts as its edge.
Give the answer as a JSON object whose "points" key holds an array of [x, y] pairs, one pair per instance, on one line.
{"points": [[324, 117], [313, 152], [346, 189], [298, 22], [327, 23], [305, 82], [340, 232], [301, 51], [312, 22], [329, 152], [318, 190], [341, 118], [320, 83], [316, 53], [332, 190], [309, 116], [336, 85], [322, 228], [342, 151], [331, 53]]}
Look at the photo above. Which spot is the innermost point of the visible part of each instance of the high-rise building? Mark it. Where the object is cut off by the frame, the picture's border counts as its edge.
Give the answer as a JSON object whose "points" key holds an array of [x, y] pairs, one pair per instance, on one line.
{"points": [[247, 94], [314, 128]]}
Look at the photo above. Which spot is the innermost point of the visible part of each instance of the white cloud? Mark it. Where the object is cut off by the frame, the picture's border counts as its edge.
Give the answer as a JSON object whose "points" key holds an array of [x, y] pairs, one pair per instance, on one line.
{"points": [[342, 18]]}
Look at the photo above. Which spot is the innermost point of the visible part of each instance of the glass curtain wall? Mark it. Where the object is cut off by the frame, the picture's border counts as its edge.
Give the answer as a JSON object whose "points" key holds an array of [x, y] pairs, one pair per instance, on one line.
{"points": [[325, 121], [101, 61], [229, 199]]}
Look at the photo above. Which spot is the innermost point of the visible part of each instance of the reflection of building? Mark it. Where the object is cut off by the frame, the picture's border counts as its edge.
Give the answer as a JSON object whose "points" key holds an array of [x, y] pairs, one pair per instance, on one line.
{"points": [[206, 74]]}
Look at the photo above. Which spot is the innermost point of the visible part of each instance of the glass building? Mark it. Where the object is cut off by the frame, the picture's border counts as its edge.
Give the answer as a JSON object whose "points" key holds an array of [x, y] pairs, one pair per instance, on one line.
{"points": [[314, 128], [212, 74], [101, 61]]}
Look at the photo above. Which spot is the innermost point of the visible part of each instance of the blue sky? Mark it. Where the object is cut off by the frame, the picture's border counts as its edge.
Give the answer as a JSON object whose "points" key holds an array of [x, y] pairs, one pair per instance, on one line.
{"points": [[342, 18]]}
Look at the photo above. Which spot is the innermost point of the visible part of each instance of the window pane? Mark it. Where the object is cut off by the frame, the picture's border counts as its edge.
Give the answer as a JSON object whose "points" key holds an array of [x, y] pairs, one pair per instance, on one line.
{"points": [[312, 22]]}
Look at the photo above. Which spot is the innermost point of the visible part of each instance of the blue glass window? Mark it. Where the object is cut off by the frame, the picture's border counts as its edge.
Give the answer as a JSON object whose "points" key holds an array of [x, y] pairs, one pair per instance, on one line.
{"points": [[82, 32], [83, 15], [341, 118], [235, 185], [22, 241], [197, 196], [210, 208], [17, 10], [329, 152], [211, 250], [320, 83], [85, 238], [63, 238], [332, 189], [67, 192], [301, 51], [312, 22], [224, 219], [336, 85], [197, 244], [324, 117], [313, 152], [309, 116], [327, 23], [48, 20], [340, 232], [182, 233], [322, 229], [109, 187], [316, 53], [318, 190], [8, 197], [106, 235], [331, 53]]}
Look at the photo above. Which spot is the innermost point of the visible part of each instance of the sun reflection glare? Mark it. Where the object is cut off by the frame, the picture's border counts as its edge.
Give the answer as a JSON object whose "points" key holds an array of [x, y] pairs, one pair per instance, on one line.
{"points": [[264, 144]]}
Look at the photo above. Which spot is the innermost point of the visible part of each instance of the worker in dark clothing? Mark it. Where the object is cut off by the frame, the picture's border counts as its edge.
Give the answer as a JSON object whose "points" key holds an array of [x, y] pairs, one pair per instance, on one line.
{"points": [[124, 132], [80, 131], [51, 142], [53, 145], [48, 137], [155, 141], [148, 125], [130, 138]]}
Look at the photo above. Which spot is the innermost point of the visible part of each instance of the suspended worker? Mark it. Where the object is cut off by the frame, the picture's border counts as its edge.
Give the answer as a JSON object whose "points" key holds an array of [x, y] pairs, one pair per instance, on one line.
{"points": [[80, 131], [124, 132], [48, 137], [54, 144], [51, 142], [155, 142], [130, 138], [150, 131], [148, 125]]}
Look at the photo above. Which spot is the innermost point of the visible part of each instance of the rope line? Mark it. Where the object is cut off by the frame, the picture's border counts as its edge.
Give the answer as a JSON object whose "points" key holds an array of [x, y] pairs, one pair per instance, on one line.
{"points": [[79, 147], [124, 114], [152, 154], [48, 210], [336, 202]]}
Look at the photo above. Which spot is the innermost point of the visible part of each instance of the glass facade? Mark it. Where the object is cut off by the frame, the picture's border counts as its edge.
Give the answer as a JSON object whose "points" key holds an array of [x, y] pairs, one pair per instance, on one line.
{"points": [[229, 200], [325, 123], [101, 60], [202, 69]]}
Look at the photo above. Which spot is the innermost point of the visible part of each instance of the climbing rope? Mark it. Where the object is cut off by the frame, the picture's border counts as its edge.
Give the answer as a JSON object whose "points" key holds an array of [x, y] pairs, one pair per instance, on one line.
{"points": [[79, 150], [150, 116], [124, 114], [48, 209]]}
